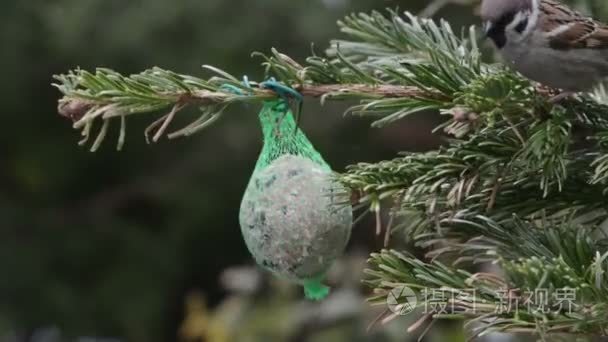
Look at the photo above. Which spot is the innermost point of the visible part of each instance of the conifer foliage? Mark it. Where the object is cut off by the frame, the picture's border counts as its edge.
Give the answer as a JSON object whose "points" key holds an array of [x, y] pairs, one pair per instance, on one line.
{"points": [[520, 183]]}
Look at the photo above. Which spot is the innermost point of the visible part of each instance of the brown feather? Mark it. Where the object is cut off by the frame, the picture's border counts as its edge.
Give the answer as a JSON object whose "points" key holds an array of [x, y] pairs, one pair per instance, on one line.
{"points": [[583, 32]]}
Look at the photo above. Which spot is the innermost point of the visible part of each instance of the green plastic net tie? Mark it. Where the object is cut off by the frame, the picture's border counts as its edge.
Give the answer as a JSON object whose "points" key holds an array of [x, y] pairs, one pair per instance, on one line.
{"points": [[282, 136], [285, 93], [314, 288]]}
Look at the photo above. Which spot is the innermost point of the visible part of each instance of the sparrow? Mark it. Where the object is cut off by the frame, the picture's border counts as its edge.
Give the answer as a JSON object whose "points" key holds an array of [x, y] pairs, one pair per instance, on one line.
{"points": [[548, 42]]}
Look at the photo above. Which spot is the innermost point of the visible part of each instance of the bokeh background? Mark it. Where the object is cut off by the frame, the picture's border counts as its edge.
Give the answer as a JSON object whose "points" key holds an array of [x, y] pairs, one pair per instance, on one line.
{"points": [[144, 244]]}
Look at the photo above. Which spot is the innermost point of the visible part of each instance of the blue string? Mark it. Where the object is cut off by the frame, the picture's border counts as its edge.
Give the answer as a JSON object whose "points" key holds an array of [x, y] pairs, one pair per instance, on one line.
{"points": [[231, 88], [284, 92]]}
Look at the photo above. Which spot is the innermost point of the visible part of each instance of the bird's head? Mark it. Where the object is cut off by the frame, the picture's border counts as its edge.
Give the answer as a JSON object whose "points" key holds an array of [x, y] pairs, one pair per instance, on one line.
{"points": [[498, 16]]}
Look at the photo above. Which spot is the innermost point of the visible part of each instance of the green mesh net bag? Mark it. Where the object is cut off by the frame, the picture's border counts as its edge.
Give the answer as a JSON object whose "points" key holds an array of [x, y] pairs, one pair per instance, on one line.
{"points": [[295, 218]]}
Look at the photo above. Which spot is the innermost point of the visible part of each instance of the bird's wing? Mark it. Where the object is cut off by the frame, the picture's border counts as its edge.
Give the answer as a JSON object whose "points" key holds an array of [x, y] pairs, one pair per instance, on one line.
{"points": [[568, 29]]}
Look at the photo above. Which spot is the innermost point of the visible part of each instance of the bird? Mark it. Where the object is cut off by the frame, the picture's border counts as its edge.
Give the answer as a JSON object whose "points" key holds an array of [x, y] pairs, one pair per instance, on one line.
{"points": [[548, 42]]}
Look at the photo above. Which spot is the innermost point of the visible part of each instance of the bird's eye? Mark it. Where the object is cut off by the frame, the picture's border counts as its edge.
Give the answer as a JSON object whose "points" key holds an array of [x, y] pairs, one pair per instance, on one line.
{"points": [[522, 25]]}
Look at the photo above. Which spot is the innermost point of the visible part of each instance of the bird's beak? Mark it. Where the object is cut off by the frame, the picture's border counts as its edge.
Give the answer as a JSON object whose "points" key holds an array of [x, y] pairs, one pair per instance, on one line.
{"points": [[487, 27]]}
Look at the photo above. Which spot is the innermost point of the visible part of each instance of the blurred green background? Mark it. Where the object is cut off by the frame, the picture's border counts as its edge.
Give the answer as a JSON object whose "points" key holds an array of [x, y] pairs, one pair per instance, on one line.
{"points": [[134, 246]]}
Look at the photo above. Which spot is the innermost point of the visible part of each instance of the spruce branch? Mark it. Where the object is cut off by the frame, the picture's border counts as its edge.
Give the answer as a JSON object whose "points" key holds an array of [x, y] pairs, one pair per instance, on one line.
{"points": [[484, 175], [391, 92], [490, 303], [106, 95], [399, 67]]}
